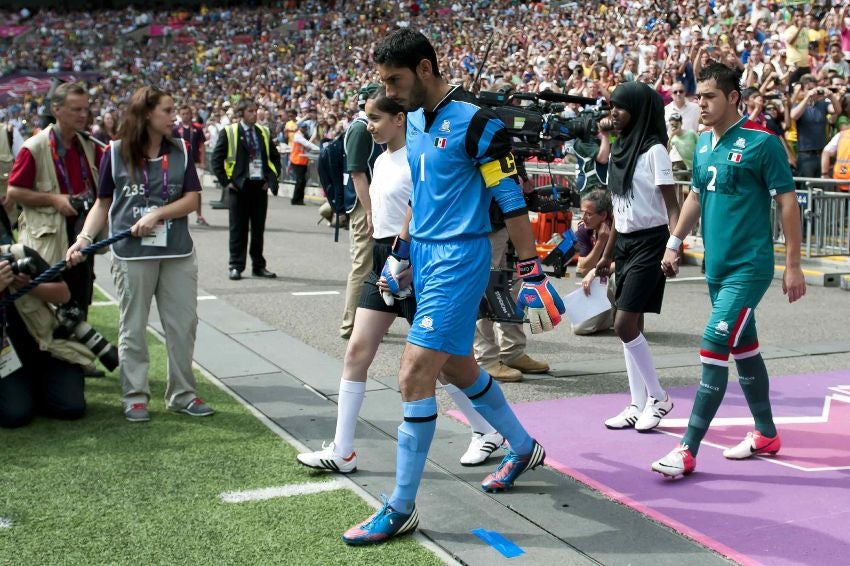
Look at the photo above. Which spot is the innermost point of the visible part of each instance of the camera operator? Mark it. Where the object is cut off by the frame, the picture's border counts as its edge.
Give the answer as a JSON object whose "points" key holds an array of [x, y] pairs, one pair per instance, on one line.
{"points": [[54, 180], [31, 381]]}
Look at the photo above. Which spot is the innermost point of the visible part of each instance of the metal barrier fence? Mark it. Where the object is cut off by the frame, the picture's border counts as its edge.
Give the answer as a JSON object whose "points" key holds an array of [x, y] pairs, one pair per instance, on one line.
{"points": [[825, 213]]}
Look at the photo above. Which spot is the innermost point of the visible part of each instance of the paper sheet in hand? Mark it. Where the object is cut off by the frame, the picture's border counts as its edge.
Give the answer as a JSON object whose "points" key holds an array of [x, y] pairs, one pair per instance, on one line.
{"points": [[581, 307]]}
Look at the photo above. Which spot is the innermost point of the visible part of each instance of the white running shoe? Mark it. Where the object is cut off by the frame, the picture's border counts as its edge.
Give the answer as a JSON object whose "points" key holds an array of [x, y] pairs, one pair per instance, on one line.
{"points": [[481, 447], [653, 413], [327, 459], [626, 419], [679, 462], [754, 444]]}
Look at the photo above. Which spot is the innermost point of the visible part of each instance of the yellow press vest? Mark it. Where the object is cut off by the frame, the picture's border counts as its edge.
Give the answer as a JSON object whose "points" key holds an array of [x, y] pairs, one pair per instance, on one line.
{"points": [[233, 141], [43, 228]]}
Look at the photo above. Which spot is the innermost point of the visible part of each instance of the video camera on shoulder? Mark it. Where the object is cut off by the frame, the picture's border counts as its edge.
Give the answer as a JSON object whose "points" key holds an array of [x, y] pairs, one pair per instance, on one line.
{"points": [[537, 127]]}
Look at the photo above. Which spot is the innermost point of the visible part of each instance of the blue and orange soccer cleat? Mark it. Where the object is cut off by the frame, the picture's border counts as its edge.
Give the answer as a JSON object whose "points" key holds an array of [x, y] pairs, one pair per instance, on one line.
{"points": [[511, 467], [382, 526]]}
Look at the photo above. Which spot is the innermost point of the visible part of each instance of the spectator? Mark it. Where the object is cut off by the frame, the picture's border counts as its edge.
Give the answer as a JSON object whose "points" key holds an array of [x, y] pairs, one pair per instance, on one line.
{"points": [[689, 111], [106, 132], [192, 134], [810, 115], [158, 259], [681, 145], [246, 163], [299, 161]]}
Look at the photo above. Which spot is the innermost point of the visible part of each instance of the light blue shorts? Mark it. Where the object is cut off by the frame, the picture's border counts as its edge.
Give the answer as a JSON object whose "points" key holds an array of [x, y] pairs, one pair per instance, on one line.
{"points": [[449, 279]]}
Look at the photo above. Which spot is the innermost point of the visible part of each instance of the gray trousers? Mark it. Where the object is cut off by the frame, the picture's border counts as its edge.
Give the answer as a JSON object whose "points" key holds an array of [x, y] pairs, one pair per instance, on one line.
{"points": [[361, 265], [495, 341], [174, 283]]}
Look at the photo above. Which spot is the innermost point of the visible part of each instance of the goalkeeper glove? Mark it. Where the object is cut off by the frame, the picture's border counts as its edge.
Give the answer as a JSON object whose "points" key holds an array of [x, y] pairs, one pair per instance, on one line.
{"points": [[537, 299], [398, 261]]}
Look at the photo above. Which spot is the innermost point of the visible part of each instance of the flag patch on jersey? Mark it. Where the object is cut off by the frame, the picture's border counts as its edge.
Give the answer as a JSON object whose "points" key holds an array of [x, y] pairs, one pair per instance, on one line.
{"points": [[734, 157], [440, 142]]}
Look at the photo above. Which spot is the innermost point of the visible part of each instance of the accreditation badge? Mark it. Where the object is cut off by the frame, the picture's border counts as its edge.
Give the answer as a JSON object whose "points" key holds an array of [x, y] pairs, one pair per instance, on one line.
{"points": [[9, 360], [159, 237], [255, 170]]}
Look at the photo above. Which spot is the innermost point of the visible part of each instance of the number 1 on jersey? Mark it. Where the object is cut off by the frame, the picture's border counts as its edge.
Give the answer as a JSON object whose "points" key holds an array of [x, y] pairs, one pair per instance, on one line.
{"points": [[422, 167]]}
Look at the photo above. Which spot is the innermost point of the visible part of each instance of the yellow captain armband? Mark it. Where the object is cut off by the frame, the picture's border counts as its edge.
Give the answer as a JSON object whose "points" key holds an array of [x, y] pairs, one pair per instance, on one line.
{"points": [[495, 171]]}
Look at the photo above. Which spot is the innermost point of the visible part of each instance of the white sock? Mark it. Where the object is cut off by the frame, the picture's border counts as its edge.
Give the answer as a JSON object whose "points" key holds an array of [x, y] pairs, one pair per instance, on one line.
{"points": [[351, 394], [636, 385], [642, 358], [476, 421]]}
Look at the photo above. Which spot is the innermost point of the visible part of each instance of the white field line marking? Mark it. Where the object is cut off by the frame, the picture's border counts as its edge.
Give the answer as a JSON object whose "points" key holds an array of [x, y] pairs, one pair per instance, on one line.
{"points": [[103, 303], [282, 491], [684, 279], [5, 523], [207, 298], [312, 293]]}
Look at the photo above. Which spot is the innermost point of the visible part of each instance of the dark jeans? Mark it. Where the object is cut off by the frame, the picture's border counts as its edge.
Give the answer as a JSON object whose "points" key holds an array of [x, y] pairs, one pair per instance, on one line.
{"points": [[48, 386], [808, 164], [248, 208], [300, 172]]}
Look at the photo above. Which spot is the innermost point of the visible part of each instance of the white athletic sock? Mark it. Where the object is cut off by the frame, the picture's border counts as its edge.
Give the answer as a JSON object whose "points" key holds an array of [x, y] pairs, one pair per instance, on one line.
{"points": [[636, 385], [476, 422], [351, 394], [642, 359]]}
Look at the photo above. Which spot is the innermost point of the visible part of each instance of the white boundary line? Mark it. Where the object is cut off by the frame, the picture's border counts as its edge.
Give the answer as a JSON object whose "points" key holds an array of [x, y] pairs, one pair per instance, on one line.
{"points": [[5, 523], [265, 493], [314, 293], [438, 551], [685, 279]]}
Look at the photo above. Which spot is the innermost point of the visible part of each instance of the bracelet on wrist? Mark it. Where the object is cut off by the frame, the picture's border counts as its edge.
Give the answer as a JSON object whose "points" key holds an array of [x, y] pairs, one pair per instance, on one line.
{"points": [[674, 243], [85, 236]]}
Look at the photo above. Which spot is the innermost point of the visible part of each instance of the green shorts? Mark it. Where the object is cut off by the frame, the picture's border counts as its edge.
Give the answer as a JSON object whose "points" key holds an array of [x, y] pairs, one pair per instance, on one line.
{"points": [[732, 322]]}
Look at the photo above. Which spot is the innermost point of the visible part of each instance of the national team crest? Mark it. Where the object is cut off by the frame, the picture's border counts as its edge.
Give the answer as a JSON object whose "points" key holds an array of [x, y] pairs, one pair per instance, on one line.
{"points": [[445, 126], [440, 143], [741, 143], [734, 157]]}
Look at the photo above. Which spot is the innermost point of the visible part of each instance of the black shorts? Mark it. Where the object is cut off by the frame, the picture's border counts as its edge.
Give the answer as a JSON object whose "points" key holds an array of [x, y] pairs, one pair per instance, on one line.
{"points": [[370, 296], [640, 282]]}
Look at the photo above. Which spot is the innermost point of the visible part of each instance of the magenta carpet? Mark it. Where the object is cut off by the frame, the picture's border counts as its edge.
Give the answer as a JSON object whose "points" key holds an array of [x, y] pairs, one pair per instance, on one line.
{"points": [[789, 510]]}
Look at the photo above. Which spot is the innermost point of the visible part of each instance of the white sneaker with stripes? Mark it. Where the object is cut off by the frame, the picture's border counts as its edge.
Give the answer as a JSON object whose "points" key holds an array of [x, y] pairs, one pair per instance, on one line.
{"points": [[480, 448], [625, 419], [327, 459]]}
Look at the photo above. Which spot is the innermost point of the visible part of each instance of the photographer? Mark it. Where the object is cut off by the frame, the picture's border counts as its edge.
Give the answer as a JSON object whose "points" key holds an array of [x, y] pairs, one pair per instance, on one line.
{"points": [[31, 381], [54, 180]]}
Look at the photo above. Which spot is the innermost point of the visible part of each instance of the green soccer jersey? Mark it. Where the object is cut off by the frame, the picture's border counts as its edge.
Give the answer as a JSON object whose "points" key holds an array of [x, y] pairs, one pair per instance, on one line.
{"points": [[736, 177]]}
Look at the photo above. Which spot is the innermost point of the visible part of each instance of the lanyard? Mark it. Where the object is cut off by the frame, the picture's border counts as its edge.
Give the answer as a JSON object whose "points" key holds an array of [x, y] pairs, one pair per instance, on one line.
{"points": [[164, 192], [64, 180], [252, 142]]}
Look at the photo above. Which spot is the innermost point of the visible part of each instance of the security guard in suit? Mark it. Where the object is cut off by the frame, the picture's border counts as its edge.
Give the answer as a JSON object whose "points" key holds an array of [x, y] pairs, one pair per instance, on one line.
{"points": [[246, 161]]}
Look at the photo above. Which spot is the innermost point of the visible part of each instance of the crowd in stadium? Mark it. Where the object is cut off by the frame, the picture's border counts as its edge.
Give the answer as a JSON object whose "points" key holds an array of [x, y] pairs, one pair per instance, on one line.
{"points": [[304, 55]]}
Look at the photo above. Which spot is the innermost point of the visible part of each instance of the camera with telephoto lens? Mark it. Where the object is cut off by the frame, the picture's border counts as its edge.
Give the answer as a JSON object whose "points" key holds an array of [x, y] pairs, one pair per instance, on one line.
{"points": [[81, 205], [72, 323], [21, 266]]}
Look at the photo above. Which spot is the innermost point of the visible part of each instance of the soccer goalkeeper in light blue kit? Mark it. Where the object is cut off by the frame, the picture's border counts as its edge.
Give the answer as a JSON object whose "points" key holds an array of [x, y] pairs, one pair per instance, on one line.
{"points": [[460, 159]]}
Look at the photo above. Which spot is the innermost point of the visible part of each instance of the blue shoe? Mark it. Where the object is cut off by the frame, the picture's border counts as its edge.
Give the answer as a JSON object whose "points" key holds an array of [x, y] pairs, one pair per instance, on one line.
{"points": [[511, 467], [382, 526]]}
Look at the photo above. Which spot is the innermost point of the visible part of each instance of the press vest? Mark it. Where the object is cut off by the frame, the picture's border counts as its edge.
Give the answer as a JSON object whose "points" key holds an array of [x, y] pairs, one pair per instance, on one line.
{"points": [[43, 228], [129, 203], [40, 321], [232, 133], [841, 169], [6, 157]]}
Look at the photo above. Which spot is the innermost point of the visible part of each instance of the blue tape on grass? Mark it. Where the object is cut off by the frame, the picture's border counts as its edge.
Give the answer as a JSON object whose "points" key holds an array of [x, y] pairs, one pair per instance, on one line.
{"points": [[498, 541]]}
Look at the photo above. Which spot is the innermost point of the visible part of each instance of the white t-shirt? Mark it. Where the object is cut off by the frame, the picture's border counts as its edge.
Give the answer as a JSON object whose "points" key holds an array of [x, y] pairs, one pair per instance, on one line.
{"points": [[646, 209], [390, 192], [689, 113]]}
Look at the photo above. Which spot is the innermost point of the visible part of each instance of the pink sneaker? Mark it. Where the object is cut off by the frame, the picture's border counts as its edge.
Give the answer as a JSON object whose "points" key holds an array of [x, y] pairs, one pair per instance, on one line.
{"points": [[679, 462], [754, 444]]}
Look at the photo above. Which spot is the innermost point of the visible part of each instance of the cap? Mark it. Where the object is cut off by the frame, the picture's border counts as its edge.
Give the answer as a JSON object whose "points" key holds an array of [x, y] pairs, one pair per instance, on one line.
{"points": [[696, 29], [366, 91], [675, 117]]}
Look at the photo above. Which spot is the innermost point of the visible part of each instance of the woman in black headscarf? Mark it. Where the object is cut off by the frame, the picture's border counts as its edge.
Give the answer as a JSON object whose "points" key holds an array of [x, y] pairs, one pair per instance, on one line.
{"points": [[640, 177]]}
